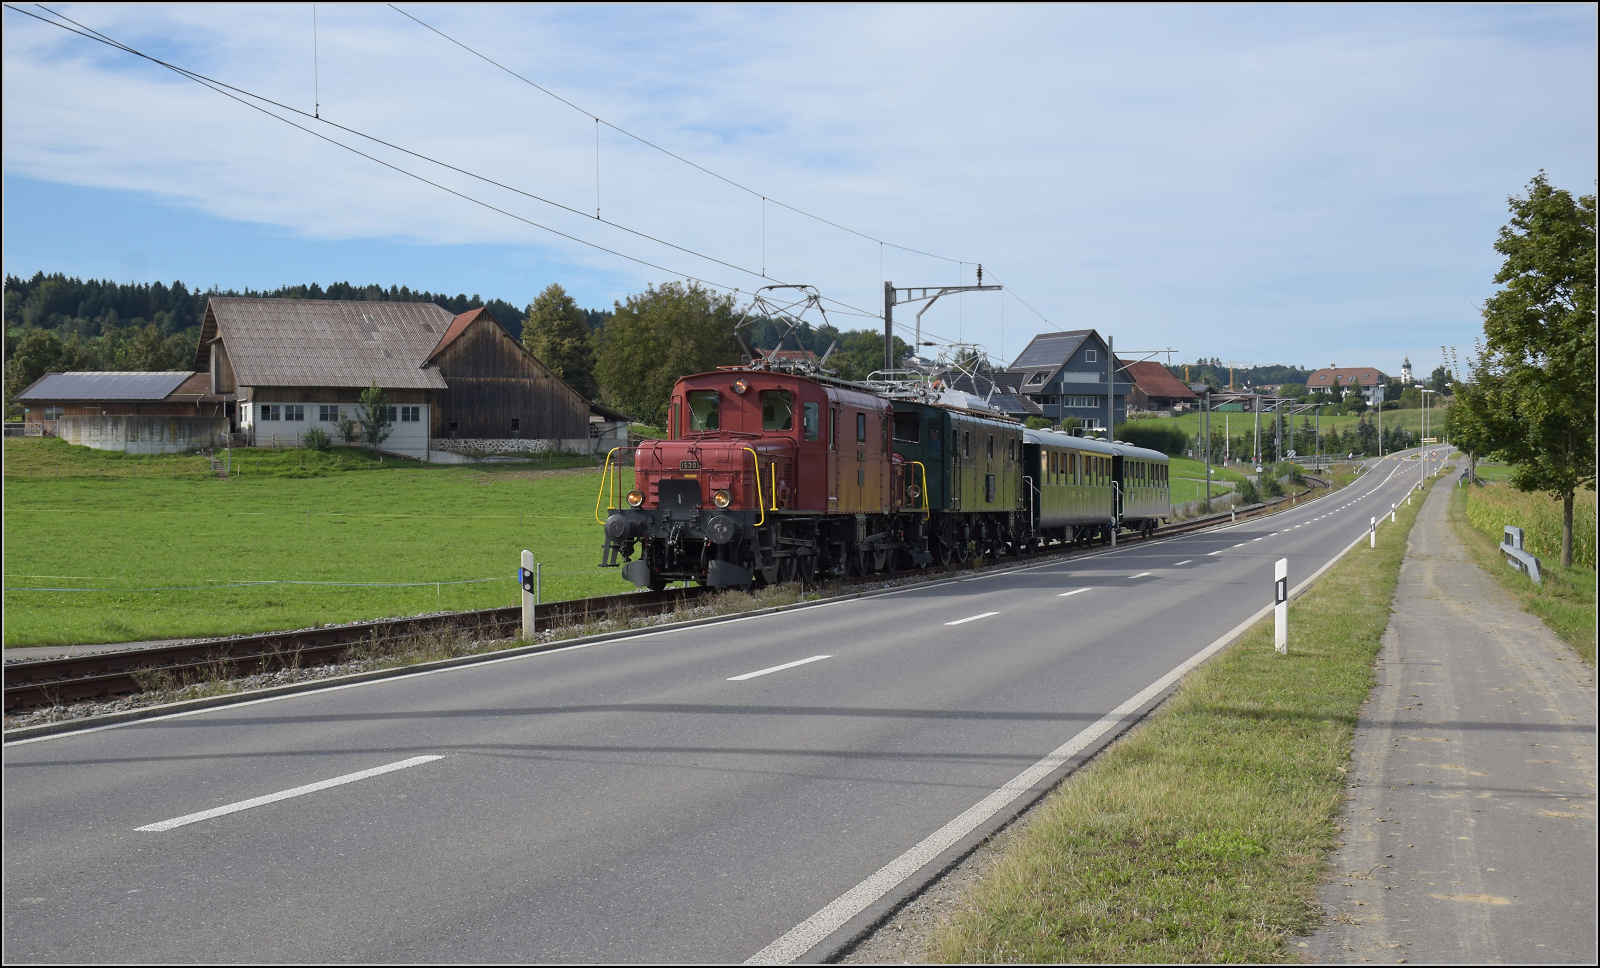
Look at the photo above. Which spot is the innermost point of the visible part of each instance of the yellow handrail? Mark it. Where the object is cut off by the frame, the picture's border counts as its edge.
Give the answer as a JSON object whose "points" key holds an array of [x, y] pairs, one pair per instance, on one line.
{"points": [[926, 514], [604, 470], [760, 505]]}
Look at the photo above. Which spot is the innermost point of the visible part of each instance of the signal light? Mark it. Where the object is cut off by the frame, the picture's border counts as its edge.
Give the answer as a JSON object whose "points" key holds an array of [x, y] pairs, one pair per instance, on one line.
{"points": [[722, 499], [635, 498]]}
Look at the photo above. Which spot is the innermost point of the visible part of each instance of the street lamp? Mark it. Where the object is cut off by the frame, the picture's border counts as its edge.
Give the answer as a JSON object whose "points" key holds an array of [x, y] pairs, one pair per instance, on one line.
{"points": [[1425, 430]]}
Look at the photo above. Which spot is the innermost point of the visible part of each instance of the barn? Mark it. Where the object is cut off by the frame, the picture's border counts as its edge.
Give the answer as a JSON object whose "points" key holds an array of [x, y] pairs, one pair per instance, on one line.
{"points": [[138, 412], [455, 385]]}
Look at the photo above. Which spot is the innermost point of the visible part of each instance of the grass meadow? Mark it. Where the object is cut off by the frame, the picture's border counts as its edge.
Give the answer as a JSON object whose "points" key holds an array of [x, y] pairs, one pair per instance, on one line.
{"points": [[1243, 424], [159, 546], [1201, 836]]}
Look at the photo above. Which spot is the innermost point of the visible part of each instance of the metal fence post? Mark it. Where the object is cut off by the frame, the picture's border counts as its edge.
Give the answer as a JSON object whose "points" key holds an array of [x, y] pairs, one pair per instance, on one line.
{"points": [[1280, 608]]}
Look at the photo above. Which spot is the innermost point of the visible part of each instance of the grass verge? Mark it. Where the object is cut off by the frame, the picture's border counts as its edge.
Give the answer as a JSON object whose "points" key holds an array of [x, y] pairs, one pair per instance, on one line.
{"points": [[1565, 602], [1202, 836]]}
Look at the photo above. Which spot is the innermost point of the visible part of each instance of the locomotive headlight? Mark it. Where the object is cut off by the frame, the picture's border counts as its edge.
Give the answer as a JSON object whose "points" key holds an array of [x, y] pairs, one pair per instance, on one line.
{"points": [[722, 499], [741, 385], [913, 491], [635, 498]]}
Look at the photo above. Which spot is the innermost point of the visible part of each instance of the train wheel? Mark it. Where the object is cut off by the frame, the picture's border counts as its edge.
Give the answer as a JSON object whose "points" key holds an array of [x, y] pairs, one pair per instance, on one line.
{"points": [[963, 551], [807, 567], [941, 553], [786, 570], [658, 584], [880, 559]]}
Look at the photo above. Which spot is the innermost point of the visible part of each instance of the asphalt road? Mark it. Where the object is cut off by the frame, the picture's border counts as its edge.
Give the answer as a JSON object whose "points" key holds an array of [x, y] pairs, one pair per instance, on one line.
{"points": [[638, 800]]}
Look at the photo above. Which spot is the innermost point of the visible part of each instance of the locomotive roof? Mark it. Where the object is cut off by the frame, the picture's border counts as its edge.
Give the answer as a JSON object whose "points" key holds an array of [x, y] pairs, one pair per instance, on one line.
{"points": [[1057, 439], [1143, 453]]}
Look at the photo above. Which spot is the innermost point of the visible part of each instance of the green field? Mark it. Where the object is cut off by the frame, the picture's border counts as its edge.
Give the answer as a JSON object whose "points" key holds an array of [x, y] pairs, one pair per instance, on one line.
{"points": [[161, 543], [1243, 424]]}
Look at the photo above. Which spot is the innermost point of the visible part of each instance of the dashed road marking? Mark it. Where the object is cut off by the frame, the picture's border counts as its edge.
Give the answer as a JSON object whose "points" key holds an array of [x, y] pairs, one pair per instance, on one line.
{"points": [[778, 668], [971, 618], [298, 791]]}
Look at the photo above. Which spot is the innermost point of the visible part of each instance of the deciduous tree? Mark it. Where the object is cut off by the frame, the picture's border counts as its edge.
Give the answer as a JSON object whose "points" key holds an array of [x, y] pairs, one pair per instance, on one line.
{"points": [[658, 336], [1532, 398], [557, 332]]}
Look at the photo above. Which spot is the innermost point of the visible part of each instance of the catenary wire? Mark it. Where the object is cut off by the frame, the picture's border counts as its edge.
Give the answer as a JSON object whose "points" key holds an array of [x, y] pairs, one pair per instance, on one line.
{"points": [[233, 92]]}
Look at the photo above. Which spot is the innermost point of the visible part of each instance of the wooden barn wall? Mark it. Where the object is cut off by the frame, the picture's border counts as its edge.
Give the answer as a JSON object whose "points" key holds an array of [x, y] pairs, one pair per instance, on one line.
{"points": [[493, 380]]}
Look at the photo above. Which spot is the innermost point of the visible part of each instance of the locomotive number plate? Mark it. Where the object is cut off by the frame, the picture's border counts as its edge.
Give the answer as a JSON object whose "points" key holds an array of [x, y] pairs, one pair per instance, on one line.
{"points": [[688, 465]]}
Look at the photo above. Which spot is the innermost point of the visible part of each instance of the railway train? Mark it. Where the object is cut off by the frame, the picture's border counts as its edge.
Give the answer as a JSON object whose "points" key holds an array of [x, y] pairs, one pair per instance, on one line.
{"points": [[770, 474]]}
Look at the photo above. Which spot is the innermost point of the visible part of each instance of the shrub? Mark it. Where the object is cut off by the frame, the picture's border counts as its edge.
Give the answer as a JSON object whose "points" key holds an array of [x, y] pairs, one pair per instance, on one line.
{"points": [[1248, 493], [1156, 435], [315, 439], [1270, 485], [349, 431]]}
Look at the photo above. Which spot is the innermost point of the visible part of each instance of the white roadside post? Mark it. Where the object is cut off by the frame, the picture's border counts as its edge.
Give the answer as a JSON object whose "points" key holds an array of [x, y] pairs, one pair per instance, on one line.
{"points": [[1393, 509], [526, 576], [1280, 609], [1374, 533]]}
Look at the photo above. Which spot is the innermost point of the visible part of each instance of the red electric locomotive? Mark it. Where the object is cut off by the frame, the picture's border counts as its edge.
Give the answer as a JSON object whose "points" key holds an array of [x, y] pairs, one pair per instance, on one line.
{"points": [[766, 476]]}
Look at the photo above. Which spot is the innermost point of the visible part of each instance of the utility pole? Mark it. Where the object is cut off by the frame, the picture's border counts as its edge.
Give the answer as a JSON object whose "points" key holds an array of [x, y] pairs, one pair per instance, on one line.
{"points": [[1208, 448], [892, 297], [1111, 388]]}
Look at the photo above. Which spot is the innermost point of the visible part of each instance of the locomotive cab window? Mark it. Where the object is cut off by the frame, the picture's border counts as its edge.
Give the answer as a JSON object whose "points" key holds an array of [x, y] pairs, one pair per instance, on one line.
{"points": [[861, 427], [777, 410], [705, 410], [966, 443], [833, 428], [991, 446], [935, 446], [811, 420], [907, 428]]}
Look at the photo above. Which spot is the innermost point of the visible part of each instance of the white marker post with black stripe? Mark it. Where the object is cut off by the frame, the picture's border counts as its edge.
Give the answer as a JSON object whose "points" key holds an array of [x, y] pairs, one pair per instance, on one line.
{"points": [[1280, 610], [525, 576]]}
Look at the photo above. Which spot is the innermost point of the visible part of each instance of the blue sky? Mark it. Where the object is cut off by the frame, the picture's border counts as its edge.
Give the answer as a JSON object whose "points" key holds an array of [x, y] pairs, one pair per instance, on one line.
{"points": [[1305, 184]]}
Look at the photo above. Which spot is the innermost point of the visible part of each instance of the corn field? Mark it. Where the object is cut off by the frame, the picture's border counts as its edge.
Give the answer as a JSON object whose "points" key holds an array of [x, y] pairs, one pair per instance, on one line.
{"points": [[1494, 506]]}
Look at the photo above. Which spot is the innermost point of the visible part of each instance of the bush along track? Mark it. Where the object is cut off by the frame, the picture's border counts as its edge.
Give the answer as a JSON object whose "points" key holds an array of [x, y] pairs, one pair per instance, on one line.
{"points": [[1203, 835]]}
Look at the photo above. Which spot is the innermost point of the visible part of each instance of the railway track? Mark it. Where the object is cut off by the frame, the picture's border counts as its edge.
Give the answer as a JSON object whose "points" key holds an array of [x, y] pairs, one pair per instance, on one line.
{"points": [[48, 682]]}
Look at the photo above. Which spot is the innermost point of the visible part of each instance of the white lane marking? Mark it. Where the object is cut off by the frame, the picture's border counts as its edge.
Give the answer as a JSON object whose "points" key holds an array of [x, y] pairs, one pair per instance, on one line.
{"points": [[777, 668], [298, 791], [1240, 545], [1073, 592], [815, 929], [1185, 561], [1141, 574], [971, 618], [1217, 552], [1258, 539]]}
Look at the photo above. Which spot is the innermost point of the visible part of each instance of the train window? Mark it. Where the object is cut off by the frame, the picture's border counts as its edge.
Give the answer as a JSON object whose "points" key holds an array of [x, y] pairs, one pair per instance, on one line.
{"points": [[811, 420], [861, 427], [705, 410], [907, 428], [1011, 451], [1052, 463], [777, 410], [883, 427], [991, 446], [935, 445], [833, 428], [966, 443]]}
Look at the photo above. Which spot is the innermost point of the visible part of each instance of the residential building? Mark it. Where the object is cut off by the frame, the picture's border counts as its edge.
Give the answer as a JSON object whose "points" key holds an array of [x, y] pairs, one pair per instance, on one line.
{"points": [[1155, 388], [138, 412], [1366, 380], [1065, 374]]}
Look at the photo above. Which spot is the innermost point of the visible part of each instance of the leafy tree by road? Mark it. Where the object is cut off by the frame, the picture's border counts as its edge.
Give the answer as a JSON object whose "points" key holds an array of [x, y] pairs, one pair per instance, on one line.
{"points": [[557, 332], [1530, 400], [658, 336]]}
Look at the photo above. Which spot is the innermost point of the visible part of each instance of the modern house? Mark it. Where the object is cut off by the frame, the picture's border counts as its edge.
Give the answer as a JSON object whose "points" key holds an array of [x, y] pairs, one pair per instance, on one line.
{"points": [[1065, 374]]}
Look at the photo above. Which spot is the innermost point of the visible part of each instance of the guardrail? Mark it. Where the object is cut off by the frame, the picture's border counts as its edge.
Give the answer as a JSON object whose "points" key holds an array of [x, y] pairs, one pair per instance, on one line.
{"points": [[1518, 558]]}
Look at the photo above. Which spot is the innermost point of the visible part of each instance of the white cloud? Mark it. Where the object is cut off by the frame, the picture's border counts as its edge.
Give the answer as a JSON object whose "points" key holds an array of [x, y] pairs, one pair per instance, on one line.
{"points": [[1228, 181]]}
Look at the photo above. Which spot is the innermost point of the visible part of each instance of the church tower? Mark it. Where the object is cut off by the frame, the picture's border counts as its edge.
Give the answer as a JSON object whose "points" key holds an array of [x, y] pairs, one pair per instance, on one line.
{"points": [[1405, 372]]}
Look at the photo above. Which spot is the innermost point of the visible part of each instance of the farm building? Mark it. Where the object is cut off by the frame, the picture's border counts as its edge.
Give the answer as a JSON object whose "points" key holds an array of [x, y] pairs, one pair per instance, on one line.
{"points": [[1155, 388], [455, 384], [143, 413], [1365, 380]]}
